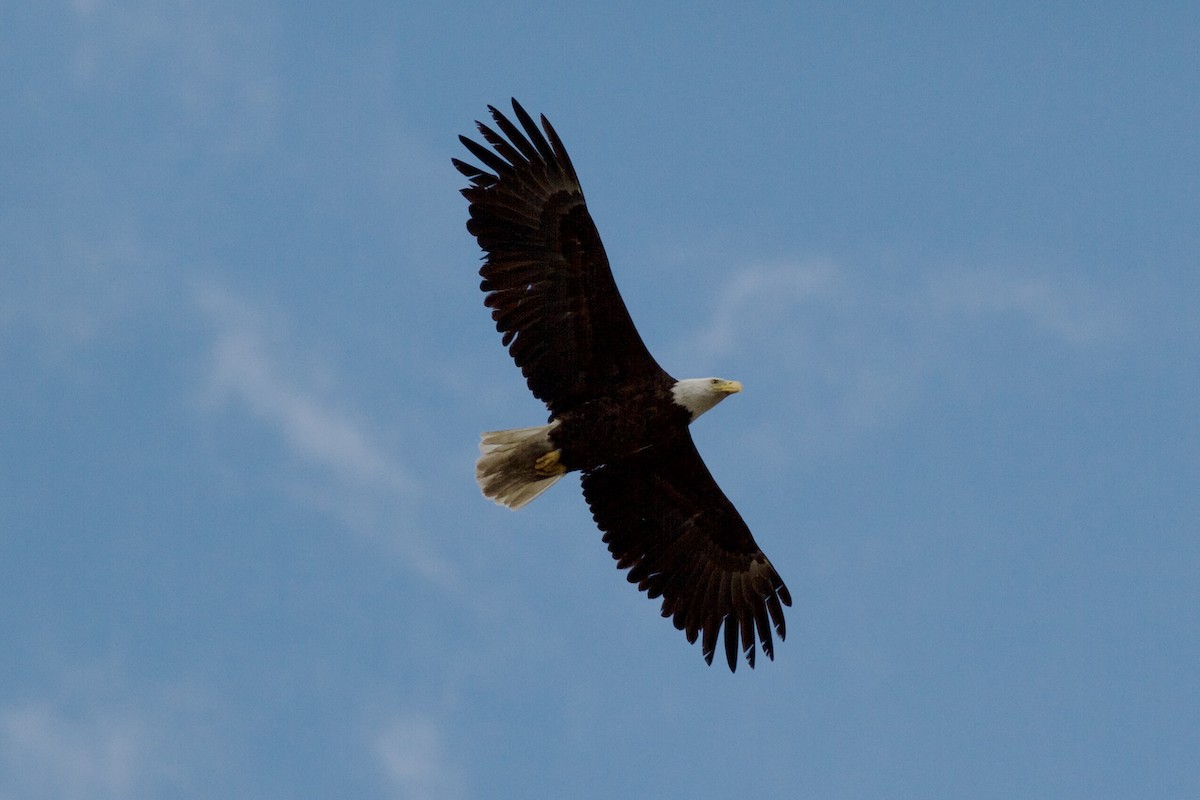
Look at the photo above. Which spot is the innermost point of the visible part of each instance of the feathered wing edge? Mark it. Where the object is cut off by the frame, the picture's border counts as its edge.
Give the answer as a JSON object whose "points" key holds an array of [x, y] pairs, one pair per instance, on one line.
{"points": [[665, 520], [546, 277], [518, 151]]}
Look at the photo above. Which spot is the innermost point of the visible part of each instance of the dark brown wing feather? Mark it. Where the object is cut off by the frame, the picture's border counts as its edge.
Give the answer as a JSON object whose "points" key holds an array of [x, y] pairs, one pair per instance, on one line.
{"points": [[666, 521], [545, 273]]}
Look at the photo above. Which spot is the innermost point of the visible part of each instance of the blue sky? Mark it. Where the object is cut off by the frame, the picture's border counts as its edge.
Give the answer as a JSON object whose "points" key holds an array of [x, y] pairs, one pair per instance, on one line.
{"points": [[950, 250]]}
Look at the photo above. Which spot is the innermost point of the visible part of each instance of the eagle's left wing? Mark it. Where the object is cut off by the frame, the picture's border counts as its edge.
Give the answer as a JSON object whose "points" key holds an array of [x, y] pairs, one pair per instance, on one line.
{"points": [[665, 520]]}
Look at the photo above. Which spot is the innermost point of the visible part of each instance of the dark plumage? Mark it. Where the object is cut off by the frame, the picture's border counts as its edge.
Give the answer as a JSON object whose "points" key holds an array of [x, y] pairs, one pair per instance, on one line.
{"points": [[615, 414]]}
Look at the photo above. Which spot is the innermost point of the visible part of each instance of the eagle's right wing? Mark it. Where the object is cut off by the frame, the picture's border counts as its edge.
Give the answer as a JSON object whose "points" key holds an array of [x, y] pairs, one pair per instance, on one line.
{"points": [[545, 272]]}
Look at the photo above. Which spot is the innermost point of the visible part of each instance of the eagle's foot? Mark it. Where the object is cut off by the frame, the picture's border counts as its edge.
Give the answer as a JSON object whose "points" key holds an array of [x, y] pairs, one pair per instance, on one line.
{"points": [[549, 465]]}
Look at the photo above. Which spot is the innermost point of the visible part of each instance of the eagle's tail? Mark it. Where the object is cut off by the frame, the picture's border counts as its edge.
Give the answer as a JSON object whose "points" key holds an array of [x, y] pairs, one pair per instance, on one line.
{"points": [[517, 465]]}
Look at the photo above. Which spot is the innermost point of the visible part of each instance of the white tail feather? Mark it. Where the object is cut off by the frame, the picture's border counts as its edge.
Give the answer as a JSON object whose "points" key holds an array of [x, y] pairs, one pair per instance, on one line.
{"points": [[505, 470]]}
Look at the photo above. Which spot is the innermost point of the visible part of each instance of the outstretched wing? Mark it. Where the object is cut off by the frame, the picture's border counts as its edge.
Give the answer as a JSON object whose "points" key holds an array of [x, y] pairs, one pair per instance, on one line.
{"points": [[665, 520], [545, 273]]}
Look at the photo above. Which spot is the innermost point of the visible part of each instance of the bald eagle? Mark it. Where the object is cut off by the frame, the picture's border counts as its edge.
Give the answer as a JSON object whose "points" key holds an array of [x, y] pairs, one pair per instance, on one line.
{"points": [[615, 415]]}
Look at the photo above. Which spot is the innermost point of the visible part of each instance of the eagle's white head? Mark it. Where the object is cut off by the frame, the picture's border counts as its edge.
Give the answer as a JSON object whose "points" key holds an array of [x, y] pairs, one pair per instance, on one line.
{"points": [[698, 395]]}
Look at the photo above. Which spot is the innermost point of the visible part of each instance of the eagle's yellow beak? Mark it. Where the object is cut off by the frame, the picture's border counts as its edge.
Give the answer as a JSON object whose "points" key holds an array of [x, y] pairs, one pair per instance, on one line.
{"points": [[729, 387]]}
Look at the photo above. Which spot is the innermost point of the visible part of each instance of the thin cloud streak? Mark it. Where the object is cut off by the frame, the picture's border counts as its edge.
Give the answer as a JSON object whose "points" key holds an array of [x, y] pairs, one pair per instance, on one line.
{"points": [[851, 355], [415, 760], [761, 296], [46, 753], [366, 488], [756, 291], [209, 61], [242, 371], [1074, 314]]}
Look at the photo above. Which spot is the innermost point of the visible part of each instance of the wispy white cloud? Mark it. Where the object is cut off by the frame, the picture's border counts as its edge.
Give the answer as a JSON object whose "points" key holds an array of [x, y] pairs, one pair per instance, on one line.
{"points": [[417, 761], [208, 61], [762, 293], [65, 292], [97, 734], [90, 755], [851, 354], [1073, 313], [837, 363], [767, 297], [245, 372], [251, 369]]}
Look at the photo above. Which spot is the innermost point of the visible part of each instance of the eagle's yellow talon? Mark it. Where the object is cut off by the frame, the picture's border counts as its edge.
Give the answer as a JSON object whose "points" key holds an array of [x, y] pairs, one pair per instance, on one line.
{"points": [[549, 464]]}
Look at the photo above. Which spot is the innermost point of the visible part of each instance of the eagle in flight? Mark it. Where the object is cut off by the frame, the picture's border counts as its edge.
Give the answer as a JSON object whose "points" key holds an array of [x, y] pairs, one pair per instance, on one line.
{"points": [[616, 416]]}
